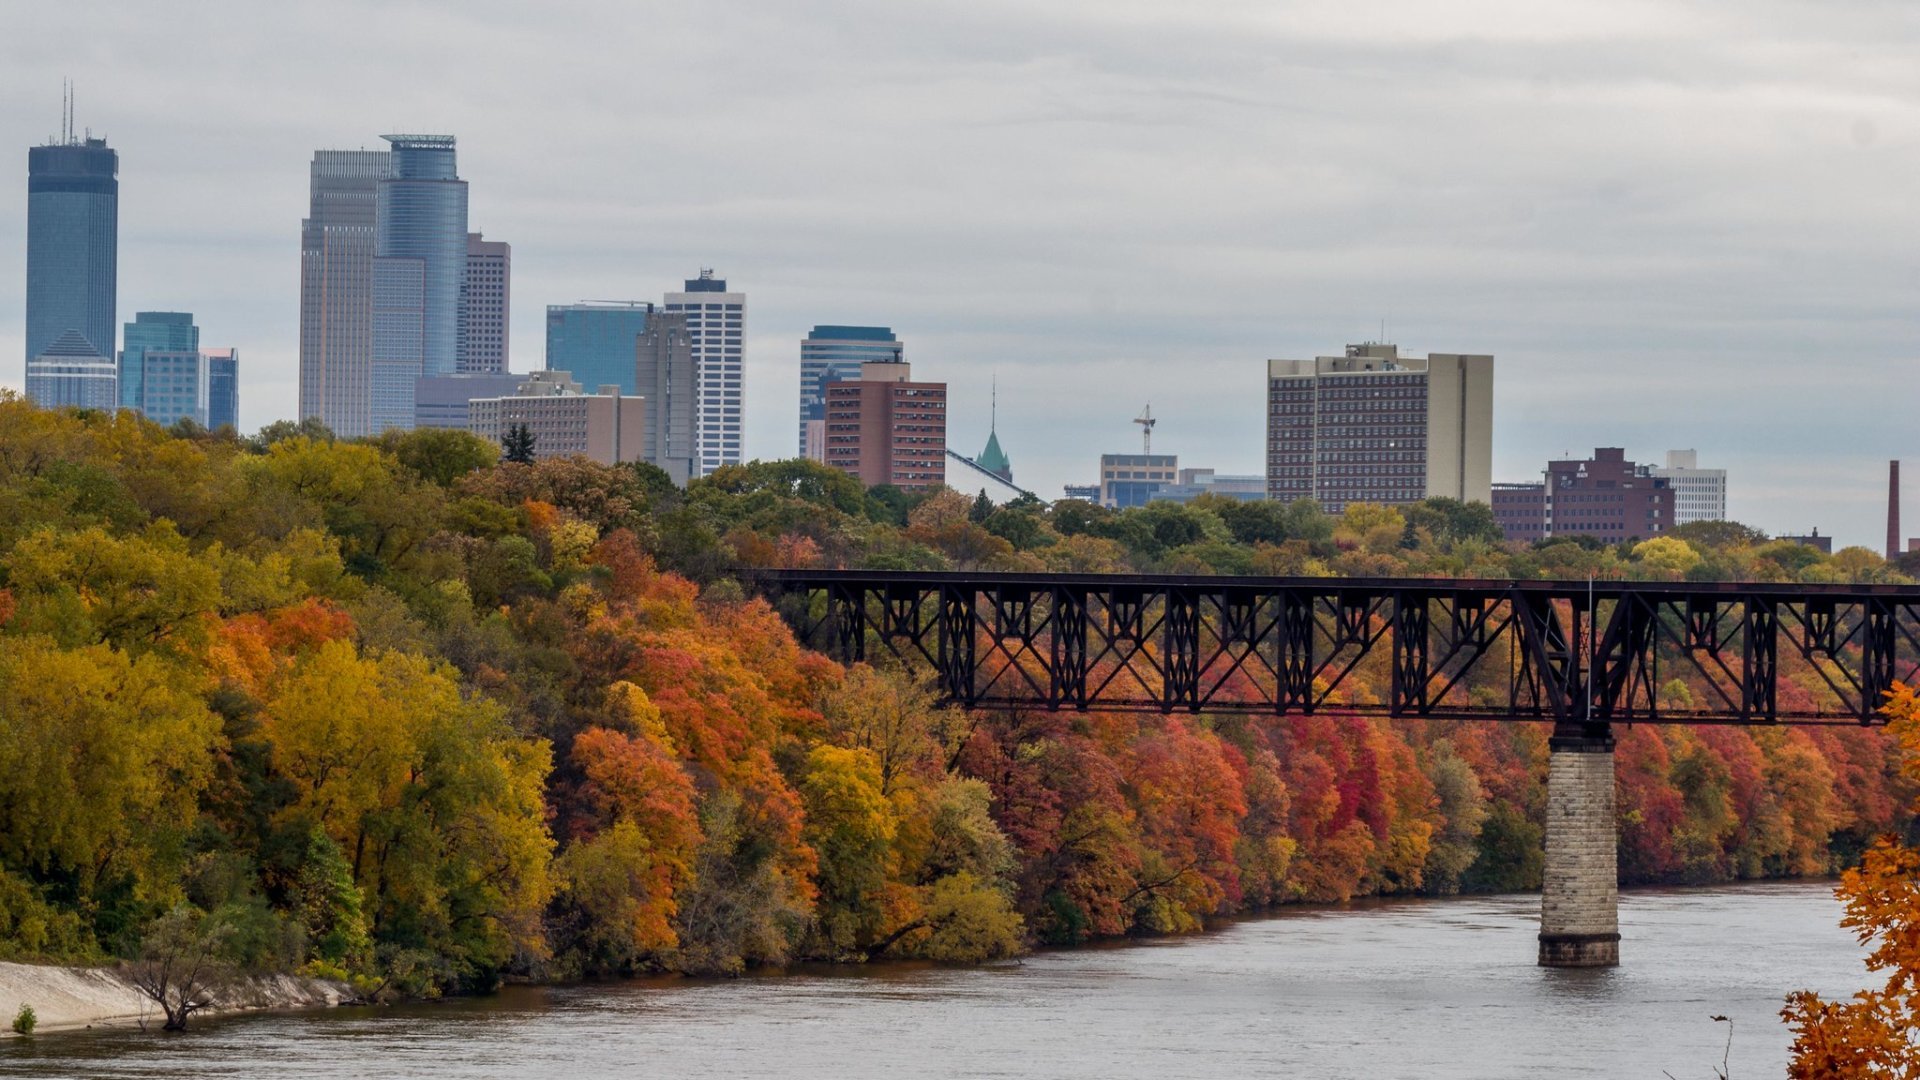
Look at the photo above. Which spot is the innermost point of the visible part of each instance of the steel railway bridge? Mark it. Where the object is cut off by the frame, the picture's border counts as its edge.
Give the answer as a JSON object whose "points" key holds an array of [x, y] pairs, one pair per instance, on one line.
{"points": [[1573, 652], [1583, 655]]}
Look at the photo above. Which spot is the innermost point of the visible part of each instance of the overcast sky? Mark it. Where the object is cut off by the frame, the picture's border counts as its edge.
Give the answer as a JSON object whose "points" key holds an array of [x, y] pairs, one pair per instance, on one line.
{"points": [[1673, 224]]}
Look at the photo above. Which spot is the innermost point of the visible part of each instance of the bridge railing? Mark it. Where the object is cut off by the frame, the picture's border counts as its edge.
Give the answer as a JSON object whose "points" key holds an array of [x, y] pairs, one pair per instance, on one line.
{"points": [[1577, 653]]}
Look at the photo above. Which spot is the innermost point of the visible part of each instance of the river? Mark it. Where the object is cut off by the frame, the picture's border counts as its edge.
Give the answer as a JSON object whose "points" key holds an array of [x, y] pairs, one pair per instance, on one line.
{"points": [[1423, 988]]}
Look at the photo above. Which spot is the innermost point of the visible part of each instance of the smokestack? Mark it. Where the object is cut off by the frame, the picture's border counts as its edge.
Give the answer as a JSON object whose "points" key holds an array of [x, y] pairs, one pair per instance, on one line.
{"points": [[1893, 509]]}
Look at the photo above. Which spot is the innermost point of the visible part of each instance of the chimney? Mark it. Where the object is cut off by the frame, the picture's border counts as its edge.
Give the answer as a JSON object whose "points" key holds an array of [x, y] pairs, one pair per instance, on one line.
{"points": [[1893, 509]]}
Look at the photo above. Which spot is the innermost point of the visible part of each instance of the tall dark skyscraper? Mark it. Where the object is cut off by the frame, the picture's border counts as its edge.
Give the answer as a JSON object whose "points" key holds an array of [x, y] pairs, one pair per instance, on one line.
{"points": [[73, 223]]}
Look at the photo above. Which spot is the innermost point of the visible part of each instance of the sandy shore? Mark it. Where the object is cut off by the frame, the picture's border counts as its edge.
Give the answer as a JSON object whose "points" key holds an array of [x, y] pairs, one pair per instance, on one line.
{"points": [[76, 997]]}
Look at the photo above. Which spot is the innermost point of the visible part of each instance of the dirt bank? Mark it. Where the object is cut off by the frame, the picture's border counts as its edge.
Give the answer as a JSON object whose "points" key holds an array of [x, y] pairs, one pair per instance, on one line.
{"points": [[76, 997]]}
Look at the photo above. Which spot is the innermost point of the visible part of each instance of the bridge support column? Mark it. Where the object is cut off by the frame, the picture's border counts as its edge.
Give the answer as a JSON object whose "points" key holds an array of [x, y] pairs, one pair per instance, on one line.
{"points": [[1580, 894]]}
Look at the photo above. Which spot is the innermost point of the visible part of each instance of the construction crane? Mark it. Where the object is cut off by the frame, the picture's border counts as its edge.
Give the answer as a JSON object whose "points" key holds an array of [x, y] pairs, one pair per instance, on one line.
{"points": [[1146, 422]]}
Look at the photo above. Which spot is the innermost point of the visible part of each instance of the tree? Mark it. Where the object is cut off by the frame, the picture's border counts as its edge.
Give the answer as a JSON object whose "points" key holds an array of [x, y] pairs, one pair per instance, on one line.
{"points": [[182, 965], [1877, 1034], [517, 445]]}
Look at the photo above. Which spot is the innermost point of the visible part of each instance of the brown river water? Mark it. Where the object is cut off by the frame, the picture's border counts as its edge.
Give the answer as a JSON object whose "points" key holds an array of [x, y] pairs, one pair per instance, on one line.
{"points": [[1439, 988]]}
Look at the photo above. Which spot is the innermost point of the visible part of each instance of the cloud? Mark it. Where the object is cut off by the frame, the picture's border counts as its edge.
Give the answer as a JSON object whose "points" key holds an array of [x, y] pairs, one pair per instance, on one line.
{"points": [[1675, 224]]}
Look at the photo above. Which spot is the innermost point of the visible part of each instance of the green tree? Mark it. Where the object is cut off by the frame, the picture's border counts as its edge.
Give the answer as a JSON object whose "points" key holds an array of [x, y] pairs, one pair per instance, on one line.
{"points": [[517, 445]]}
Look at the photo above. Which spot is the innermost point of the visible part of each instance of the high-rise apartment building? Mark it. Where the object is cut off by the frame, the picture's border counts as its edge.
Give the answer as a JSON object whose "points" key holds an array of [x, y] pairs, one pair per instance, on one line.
{"points": [[887, 429], [1373, 426], [1605, 496], [716, 321], [73, 227], [663, 372], [166, 376], [1698, 494], [836, 352], [69, 373], [595, 340], [564, 420], [485, 300], [337, 246], [157, 332], [420, 272]]}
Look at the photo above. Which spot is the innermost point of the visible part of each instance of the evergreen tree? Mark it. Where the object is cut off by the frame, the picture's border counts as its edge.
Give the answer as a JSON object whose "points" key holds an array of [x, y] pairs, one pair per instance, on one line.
{"points": [[518, 445]]}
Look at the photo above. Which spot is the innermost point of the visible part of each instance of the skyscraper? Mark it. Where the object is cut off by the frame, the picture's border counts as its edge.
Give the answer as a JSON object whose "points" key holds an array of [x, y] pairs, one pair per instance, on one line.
{"points": [[663, 373], [73, 223], [887, 429], [69, 373], [157, 332], [836, 352], [336, 289], [595, 341], [1373, 426], [419, 273], [166, 376], [715, 326], [1698, 494], [484, 307]]}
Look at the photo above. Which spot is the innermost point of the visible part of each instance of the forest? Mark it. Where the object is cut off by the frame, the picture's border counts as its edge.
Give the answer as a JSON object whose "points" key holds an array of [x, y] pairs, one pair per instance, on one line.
{"points": [[398, 711]]}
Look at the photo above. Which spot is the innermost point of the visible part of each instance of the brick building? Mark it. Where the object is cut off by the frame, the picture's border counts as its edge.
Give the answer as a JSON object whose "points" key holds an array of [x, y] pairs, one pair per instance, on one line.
{"points": [[1606, 497], [887, 429]]}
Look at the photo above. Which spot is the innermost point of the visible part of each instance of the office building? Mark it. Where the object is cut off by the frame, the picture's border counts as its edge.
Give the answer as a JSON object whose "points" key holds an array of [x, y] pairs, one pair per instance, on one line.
{"points": [[419, 272], [1821, 544], [166, 376], [68, 373], [440, 401], [609, 427], [73, 223], [1129, 480], [884, 428], [836, 352], [1190, 484], [151, 331], [1373, 426], [485, 302], [716, 321], [337, 248], [595, 340], [1698, 494], [1606, 497], [663, 372]]}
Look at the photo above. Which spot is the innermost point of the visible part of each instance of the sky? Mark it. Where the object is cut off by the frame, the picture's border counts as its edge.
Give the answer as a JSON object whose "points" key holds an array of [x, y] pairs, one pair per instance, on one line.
{"points": [[1675, 225]]}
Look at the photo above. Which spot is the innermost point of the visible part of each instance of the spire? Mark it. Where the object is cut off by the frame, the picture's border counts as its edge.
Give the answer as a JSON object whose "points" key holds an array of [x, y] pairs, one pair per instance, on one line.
{"points": [[993, 459]]}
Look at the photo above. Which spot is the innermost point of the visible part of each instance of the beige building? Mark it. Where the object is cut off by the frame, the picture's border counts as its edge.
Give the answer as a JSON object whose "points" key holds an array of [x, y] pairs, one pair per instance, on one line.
{"points": [[1374, 426], [887, 429], [608, 427]]}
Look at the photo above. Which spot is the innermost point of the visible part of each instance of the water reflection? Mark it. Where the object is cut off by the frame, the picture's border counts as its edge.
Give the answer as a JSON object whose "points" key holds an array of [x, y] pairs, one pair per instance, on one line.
{"points": [[1415, 989]]}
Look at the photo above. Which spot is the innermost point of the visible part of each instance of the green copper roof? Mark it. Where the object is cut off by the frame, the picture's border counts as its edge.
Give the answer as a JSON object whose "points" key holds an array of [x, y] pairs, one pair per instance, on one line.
{"points": [[993, 459]]}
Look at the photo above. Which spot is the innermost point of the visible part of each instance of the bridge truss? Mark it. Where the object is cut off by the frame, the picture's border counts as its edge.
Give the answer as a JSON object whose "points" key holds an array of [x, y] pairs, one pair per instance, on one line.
{"points": [[1582, 654]]}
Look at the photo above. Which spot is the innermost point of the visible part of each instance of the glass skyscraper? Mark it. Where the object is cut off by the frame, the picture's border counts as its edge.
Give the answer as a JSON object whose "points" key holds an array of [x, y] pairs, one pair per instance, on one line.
{"points": [[829, 354], [73, 222], [419, 273], [223, 388], [156, 332], [598, 342], [336, 289]]}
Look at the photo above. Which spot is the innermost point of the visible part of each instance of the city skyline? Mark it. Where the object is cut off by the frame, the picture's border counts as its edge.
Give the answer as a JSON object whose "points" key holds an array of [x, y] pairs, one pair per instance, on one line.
{"points": [[1668, 233]]}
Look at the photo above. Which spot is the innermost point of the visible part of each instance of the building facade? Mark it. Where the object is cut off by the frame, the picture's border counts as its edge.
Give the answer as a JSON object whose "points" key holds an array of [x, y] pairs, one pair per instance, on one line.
{"points": [[157, 332], [223, 388], [485, 307], [68, 373], [420, 272], [73, 237], [336, 289], [663, 372], [1373, 426], [829, 353], [595, 340], [1605, 497], [1698, 494], [1190, 484], [608, 427], [440, 401], [716, 328], [1129, 480], [884, 428]]}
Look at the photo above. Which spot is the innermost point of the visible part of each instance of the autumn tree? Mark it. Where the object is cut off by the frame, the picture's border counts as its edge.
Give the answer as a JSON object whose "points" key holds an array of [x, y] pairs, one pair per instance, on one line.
{"points": [[1877, 1033]]}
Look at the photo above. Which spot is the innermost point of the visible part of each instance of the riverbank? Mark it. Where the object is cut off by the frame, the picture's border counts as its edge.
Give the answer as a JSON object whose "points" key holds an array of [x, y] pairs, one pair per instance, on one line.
{"points": [[69, 998]]}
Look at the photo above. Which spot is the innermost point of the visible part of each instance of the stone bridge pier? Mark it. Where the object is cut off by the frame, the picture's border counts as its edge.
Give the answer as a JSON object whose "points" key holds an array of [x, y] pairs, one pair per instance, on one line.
{"points": [[1580, 893]]}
